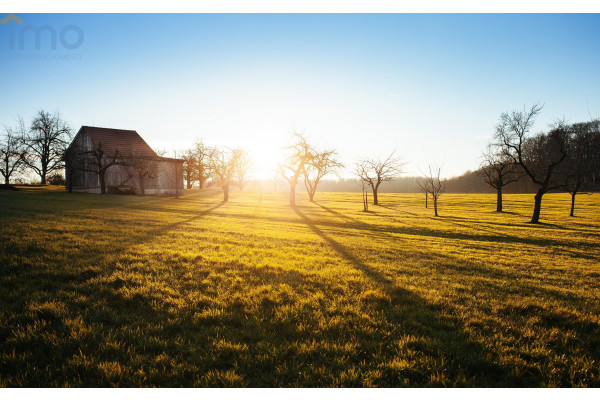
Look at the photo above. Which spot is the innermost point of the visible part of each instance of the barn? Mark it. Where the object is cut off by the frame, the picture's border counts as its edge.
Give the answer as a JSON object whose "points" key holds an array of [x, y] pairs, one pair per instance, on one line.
{"points": [[106, 160]]}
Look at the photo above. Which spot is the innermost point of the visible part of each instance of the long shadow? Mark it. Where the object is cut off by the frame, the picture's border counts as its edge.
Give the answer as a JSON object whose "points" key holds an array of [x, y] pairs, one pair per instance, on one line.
{"points": [[415, 316], [398, 210], [428, 232]]}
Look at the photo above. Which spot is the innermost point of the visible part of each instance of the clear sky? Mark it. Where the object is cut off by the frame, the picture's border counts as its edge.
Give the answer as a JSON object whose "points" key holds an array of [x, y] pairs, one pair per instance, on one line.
{"points": [[430, 86]]}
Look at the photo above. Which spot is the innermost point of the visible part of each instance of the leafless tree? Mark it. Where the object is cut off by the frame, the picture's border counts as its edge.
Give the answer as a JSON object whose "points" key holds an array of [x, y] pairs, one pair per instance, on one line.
{"points": [[374, 171], [46, 141], [577, 172], [538, 156], [190, 167], [145, 168], [222, 164], [12, 154], [432, 183], [242, 167], [497, 171], [300, 153], [317, 167], [203, 172], [365, 195], [98, 160]]}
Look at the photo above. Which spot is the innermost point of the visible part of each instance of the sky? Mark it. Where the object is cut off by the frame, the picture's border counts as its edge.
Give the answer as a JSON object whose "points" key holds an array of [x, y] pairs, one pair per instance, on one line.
{"points": [[429, 86]]}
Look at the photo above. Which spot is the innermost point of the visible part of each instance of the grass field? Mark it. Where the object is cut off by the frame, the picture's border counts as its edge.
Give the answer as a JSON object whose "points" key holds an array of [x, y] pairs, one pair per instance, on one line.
{"points": [[129, 291]]}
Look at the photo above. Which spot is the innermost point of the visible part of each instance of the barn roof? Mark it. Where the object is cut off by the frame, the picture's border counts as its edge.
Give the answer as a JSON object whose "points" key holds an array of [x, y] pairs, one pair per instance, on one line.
{"points": [[121, 140]]}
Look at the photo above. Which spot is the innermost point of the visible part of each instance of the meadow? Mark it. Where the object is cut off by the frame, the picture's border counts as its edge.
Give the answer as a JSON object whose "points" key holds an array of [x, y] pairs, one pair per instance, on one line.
{"points": [[100, 290]]}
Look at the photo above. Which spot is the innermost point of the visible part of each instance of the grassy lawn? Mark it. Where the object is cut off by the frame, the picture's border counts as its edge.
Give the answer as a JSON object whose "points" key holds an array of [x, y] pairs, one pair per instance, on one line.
{"points": [[129, 291]]}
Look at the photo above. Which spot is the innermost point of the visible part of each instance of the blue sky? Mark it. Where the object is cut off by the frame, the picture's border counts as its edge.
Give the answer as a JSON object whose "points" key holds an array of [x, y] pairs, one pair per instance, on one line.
{"points": [[430, 86]]}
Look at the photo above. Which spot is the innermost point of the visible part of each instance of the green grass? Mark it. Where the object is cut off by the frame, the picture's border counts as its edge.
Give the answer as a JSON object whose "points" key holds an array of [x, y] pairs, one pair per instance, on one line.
{"points": [[128, 291]]}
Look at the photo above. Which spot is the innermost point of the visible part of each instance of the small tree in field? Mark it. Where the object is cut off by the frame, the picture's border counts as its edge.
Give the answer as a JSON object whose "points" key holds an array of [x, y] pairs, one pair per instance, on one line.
{"points": [[223, 164], [12, 155], [300, 153], [498, 171], [317, 167], [432, 184], [365, 195], [374, 171]]}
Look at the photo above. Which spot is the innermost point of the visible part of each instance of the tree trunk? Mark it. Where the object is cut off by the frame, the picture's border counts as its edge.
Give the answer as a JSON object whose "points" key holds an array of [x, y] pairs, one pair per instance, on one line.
{"points": [[44, 173], [102, 183], [292, 195], [226, 194], [375, 200], [535, 218], [435, 206], [499, 198], [573, 204], [189, 184], [311, 196], [426, 200], [200, 184]]}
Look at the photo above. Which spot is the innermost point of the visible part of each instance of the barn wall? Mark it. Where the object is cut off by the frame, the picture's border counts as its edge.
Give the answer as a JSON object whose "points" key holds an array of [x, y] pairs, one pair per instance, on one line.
{"points": [[83, 180], [167, 175]]}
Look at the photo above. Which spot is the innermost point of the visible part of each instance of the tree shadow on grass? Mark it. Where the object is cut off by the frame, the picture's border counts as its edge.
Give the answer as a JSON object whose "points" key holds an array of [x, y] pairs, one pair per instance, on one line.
{"points": [[66, 297], [416, 317]]}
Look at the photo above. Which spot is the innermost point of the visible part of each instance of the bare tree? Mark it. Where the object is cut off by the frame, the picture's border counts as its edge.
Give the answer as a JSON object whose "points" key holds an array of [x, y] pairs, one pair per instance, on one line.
{"points": [[538, 156], [190, 167], [46, 142], [432, 184], [203, 172], [374, 171], [365, 195], [242, 167], [98, 161], [12, 154], [300, 153], [223, 164], [497, 171], [577, 172], [317, 167], [145, 168]]}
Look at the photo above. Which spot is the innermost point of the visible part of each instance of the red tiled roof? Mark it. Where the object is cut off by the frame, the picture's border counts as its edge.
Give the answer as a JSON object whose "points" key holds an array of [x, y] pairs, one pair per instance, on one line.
{"points": [[124, 141]]}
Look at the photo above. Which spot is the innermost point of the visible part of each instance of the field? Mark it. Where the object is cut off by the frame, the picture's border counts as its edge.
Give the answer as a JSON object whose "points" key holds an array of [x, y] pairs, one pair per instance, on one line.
{"points": [[130, 291]]}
